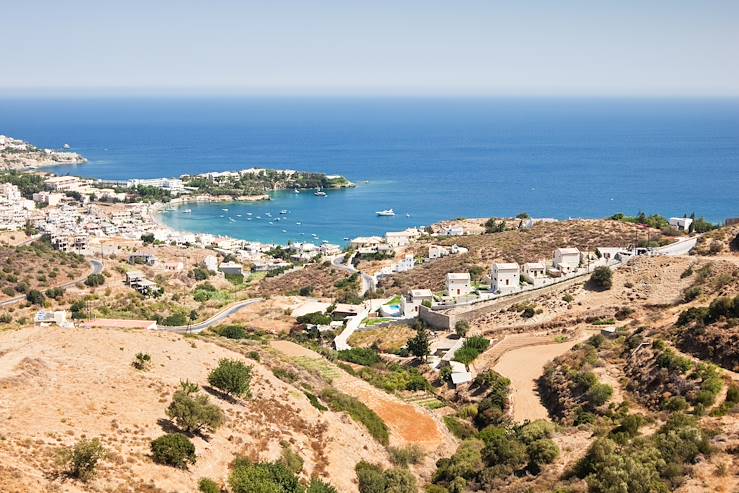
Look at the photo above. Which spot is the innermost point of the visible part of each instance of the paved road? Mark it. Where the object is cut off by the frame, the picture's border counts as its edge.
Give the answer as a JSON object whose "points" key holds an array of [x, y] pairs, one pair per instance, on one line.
{"points": [[367, 281], [96, 268], [680, 247], [214, 320]]}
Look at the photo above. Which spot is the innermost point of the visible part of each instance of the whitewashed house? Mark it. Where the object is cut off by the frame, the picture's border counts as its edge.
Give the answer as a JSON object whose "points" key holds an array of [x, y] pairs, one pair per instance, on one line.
{"points": [[566, 260], [458, 284], [506, 277], [437, 251], [406, 264], [681, 223], [211, 263], [366, 242], [398, 238], [231, 269], [535, 273]]}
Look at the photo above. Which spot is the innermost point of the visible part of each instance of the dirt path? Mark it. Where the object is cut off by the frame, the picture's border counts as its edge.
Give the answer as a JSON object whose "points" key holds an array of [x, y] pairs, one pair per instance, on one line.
{"points": [[523, 366], [407, 423]]}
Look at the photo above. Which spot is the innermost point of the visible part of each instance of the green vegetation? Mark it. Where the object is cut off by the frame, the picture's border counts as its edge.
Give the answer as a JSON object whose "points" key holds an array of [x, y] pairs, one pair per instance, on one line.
{"points": [[461, 328], [359, 356], [94, 280], [420, 345], [601, 278], [192, 412], [722, 307], [471, 349], [35, 297], [393, 378], [81, 461], [492, 408], [340, 402], [269, 477], [206, 485], [491, 226], [654, 221], [232, 332], [257, 183], [655, 463], [173, 449], [460, 429], [314, 318], [232, 377], [290, 460], [27, 183], [314, 401], [373, 479], [142, 361], [405, 456]]}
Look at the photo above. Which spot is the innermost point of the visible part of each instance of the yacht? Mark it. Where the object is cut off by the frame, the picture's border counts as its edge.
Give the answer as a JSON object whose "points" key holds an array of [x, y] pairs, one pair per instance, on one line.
{"points": [[298, 223], [296, 191], [387, 212], [187, 211], [319, 193], [284, 231], [224, 210], [238, 215], [66, 146], [232, 219], [283, 211]]}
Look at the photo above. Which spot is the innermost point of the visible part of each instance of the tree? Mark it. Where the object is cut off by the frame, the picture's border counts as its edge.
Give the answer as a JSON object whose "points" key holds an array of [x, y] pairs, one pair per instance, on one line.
{"points": [[543, 451], [35, 297], [95, 280], [269, 477], [601, 278], [192, 412], [232, 377], [232, 332], [420, 345], [173, 449], [461, 328], [81, 460], [147, 238], [319, 486], [207, 485]]}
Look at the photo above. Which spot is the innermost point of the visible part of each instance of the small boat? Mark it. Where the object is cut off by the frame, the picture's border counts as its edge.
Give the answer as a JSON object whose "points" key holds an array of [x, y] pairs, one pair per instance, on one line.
{"points": [[66, 146], [268, 214], [238, 215], [319, 194], [283, 211], [386, 212], [324, 241], [346, 239], [221, 215], [248, 213], [259, 217], [407, 214], [248, 219], [284, 231], [187, 211], [232, 219], [298, 223], [271, 222], [296, 191], [224, 210]]}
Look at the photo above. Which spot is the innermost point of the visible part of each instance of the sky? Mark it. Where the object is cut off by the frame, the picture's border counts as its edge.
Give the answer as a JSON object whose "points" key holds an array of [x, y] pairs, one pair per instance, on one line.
{"points": [[669, 48]]}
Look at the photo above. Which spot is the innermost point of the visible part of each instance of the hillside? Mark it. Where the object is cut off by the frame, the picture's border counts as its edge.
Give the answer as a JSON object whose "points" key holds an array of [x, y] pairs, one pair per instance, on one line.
{"points": [[61, 385]]}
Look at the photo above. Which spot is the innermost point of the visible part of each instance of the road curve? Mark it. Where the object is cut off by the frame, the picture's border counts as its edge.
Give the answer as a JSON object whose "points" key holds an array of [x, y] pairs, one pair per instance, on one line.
{"points": [[368, 282], [214, 320], [96, 268]]}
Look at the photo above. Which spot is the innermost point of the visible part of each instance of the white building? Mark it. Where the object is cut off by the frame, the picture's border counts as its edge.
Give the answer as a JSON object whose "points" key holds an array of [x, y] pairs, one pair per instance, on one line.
{"points": [[566, 260], [366, 242], [398, 238], [63, 183], [535, 273], [506, 278], [211, 263], [437, 251], [458, 284], [9, 192], [406, 264], [48, 198], [681, 223]]}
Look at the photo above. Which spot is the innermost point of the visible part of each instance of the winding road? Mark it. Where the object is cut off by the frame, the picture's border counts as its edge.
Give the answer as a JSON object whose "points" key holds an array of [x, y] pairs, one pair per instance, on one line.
{"points": [[368, 282], [214, 320], [96, 268]]}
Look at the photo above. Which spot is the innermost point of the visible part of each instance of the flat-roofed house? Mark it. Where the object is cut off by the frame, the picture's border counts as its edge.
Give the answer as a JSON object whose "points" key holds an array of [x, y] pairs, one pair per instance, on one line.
{"points": [[231, 269], [458, 284], [506, 277], [398, 238], [567, 259], [534, 272], [438, 251], [681, 223]]}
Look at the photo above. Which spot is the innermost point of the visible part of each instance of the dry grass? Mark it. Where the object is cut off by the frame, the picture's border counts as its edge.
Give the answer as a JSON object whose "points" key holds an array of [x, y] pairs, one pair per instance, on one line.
{"points": [[388, 339]]}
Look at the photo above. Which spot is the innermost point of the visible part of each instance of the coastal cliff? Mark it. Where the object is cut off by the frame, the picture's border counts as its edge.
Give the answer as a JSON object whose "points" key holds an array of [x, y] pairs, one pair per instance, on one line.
{"points": [[16, 154]]}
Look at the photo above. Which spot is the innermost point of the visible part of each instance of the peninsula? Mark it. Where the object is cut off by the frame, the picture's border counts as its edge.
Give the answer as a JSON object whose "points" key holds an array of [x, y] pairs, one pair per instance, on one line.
{"points": [[16, 154]]}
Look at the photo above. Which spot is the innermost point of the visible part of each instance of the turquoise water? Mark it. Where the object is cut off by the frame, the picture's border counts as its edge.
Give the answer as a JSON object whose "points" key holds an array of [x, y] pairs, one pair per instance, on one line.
{"points": [[431, 158]]}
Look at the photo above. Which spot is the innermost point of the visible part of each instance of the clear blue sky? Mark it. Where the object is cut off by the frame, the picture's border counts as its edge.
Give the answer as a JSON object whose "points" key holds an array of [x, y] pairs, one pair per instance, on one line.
{"points": [[352, 47]]}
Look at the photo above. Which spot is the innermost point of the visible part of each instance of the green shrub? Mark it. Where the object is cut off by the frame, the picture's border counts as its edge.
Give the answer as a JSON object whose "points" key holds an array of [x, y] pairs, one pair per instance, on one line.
{"points": [[81, 461], [403, 457], [232, 332], [341, 402], [192, 412], [461, 328], [319, 486], [291, 460], [232, 377], [471, 349], [460, 429], [599, 394], [174, 450], [359, 356], [370, 477], [142, 361], [542, 451], [536, 430], [601, 278], [248, 477], [95, 280], [35, 297], [315, 402], [206, 485], [314, 318]]}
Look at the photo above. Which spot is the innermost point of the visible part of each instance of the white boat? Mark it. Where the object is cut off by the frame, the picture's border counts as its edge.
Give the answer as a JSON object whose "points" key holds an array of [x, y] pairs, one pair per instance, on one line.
{"points": [[259, 217], [346, 239], [248, 213], [268, 214], [271, 222], [387, 212], [248, 219], [283, 211], [284, 231], [232, 219], [296, 191], [224, 210], [407, 214], [319, 194], [238, 215], [66, 146], [187, 211]]}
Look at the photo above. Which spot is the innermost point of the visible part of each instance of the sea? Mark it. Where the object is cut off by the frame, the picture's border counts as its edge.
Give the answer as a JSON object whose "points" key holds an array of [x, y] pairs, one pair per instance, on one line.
{"points": [[428, 159]]}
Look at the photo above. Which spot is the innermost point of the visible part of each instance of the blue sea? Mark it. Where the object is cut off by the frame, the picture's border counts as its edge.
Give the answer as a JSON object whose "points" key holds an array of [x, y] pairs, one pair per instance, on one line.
{"points": [[428, 159]]}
